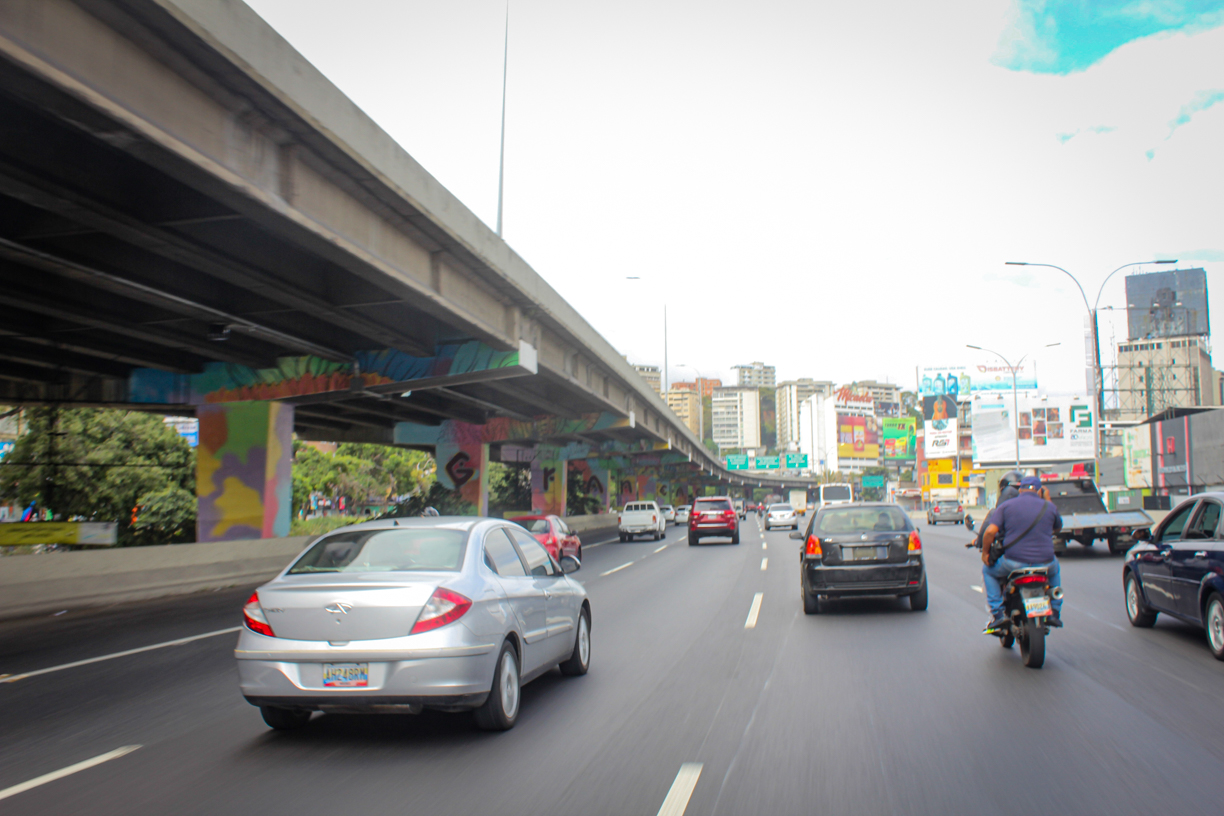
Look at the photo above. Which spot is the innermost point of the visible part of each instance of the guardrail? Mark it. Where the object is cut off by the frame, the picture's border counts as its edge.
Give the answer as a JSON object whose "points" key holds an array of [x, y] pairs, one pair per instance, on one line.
{"points": [[44, 584]]}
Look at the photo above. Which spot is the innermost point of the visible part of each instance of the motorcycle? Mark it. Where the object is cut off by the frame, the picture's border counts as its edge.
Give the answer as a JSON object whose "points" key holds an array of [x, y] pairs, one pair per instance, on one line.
{"points": [[1027, 603]]}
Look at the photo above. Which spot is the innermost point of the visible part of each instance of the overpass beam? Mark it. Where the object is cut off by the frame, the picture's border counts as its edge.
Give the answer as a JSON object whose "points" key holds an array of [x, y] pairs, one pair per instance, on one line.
{"points": [[243, 470]]}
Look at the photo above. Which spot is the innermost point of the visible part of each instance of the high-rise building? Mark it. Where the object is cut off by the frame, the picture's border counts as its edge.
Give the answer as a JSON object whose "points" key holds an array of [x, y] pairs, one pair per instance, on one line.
{"points": [[706, 386], [736, 417], [1169, 372], [790, 394], [889, 393], [683, 386], [686, 405], [756, 375], [652, 377]]}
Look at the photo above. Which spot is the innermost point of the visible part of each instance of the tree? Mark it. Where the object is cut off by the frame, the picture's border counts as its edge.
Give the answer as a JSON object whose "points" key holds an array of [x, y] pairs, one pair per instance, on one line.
{"points": [[94, 464], [363, 474], [509, 487]]}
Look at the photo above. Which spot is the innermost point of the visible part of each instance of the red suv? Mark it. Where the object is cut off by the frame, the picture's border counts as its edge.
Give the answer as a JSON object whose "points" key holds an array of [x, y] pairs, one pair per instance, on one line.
{"points": [[554, 534], [713, 516]]}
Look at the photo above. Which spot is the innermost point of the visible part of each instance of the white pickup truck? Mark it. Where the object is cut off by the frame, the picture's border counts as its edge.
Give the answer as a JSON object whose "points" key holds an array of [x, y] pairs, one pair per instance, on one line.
{"points": [[641, 518]]}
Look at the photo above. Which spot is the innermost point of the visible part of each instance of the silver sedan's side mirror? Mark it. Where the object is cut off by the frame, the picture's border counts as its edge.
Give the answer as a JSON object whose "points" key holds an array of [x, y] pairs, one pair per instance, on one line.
{"points": [[570, 564], [795, 534]]}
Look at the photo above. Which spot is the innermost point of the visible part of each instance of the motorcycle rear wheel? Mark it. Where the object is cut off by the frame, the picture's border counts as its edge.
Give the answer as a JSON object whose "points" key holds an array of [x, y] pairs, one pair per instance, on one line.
{"points": [[1032, 645]]}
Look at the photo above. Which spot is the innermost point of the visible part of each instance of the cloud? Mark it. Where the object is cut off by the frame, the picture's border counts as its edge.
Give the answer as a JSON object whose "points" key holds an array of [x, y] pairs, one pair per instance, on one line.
{"points": [[1201, 102], [1063, 36], [1200, 255], [1063, 138]]}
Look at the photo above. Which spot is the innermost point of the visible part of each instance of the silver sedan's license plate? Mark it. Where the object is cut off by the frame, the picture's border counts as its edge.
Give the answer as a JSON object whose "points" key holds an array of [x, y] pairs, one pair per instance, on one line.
{"points": [[346, 675]]}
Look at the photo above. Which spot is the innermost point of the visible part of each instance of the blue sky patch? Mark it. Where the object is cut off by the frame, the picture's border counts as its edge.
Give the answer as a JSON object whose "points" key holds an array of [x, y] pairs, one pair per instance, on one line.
{"points": [[1063, 36]]}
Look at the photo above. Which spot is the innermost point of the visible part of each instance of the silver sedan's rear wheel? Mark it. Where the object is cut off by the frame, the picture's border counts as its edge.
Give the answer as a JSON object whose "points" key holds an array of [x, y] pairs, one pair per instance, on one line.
{"points": [[1215, 626], [284, 719], [500, 710]]}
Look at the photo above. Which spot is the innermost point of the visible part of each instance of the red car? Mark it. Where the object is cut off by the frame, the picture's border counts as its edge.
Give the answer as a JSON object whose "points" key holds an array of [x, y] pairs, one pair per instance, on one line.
{"points": [[554, 534], [713, 516]]}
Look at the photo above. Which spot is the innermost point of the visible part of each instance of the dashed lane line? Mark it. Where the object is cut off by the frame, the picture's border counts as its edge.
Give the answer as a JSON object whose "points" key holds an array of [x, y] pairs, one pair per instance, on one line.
{"points": [[616, 569], [764, 545], [681, 790], [977, 588], [14, 678], [661, 549], [764, 564], [754, 611], [80, 766]]}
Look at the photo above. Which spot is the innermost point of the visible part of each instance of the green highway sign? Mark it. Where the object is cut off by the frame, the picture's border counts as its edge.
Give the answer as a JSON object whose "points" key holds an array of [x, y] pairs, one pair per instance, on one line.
{"points": [[738, 461], [873, 481], [796, 461], [766, 463]]}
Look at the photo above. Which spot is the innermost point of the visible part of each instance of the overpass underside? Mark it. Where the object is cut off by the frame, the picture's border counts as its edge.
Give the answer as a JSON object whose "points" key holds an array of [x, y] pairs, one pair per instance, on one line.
{"points": [[193, 221]]}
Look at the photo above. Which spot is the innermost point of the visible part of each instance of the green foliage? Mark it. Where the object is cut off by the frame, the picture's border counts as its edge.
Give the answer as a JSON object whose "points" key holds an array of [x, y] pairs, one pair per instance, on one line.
{"points": [[577, 502], [363, 474], [509, 488], [321, 524], [873, 493], [98, 464]]}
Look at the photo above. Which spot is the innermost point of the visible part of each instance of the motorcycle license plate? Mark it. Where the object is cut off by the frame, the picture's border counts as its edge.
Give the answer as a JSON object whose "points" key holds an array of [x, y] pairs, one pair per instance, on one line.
{"points": [[1037, 604]]}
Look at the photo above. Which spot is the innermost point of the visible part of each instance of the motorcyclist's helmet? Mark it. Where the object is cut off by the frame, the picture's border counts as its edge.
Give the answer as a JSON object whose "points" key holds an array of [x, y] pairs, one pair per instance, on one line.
{"points": [[1011, 478], [429, 512]]}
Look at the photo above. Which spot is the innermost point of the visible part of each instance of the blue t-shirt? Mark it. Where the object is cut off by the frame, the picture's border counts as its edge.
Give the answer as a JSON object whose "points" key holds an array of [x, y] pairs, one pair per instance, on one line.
{"points": [[1014, 516]]}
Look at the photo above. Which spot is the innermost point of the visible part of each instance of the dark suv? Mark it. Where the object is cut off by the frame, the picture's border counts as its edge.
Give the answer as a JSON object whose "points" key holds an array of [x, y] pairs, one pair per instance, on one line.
{"points": [[867, 548], [713, 516]]}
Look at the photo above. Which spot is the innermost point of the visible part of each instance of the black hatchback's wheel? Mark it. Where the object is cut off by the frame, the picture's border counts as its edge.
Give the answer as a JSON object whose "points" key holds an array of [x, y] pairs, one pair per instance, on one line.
{"points": [[285, 719], [1137, 610], [1032, 645], [1215, 625], [918, 601], [811, 603], [500, 710], [580, 658]]}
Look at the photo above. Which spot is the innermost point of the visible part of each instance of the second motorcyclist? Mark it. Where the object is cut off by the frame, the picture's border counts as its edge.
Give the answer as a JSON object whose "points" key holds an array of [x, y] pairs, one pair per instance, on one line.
{"points": [[1023, 528]]}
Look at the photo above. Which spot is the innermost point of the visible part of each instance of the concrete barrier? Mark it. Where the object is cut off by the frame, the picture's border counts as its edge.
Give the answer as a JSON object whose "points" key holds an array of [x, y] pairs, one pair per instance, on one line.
{"points": [[41, 584]]}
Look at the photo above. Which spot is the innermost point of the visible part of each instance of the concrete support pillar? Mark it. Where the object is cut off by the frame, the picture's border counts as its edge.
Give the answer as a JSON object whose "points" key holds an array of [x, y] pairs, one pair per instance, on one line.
{"points": [[244, 485], [548, 481], [592, 478], [464, 466]]}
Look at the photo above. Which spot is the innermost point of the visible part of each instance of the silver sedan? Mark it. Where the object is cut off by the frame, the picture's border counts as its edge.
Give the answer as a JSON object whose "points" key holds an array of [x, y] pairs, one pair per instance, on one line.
{"points": [[781, 515], [398, 615]]}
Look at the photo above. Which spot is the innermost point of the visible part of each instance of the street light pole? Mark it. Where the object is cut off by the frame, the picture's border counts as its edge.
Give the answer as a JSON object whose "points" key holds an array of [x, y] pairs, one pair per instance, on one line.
{"points": [[1098, 373], [1015, 390]]}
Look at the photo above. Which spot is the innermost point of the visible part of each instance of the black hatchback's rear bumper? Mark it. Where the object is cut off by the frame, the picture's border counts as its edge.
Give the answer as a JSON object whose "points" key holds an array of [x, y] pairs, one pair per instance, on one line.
{"points": [[843, 580]]}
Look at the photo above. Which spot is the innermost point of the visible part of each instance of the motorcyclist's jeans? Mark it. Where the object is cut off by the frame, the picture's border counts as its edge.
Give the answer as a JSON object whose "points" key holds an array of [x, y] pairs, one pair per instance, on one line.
{"points": [[993, 578]]}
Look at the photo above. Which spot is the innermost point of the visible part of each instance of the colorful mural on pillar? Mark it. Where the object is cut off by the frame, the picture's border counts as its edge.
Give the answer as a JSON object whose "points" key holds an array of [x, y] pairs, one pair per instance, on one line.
{"points": [[243, 463], [465, 468], [301, 376], [548, 483], [592, 479]]}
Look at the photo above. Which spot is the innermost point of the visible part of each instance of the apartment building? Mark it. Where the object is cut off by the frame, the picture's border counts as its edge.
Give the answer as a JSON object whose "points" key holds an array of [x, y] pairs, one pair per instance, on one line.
{"points": [[756, 375], [652, 377], [686, 405], [880, 391], [736, 417], [1165, 372], [790, 395]]}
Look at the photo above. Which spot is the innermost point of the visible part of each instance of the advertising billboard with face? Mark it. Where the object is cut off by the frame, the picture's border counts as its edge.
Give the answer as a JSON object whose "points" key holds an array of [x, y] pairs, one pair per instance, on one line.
{"points": [[940, 381], [1051, 429], [939, 426], [858, 437], [900, 438]]}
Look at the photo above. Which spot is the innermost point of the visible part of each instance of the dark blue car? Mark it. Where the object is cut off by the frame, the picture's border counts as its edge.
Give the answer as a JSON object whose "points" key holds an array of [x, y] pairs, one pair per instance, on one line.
{"points": [[1178, 569]]}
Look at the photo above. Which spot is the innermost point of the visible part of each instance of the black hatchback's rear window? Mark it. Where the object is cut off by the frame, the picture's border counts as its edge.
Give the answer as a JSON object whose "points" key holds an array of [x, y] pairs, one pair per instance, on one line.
{"points": [[713, 505], [862, 520]]}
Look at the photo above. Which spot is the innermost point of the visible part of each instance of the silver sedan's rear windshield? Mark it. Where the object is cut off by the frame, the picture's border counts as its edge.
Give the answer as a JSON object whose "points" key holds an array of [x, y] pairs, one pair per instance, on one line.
{"points": [[782, 508], [862, 520], [404, 550]]}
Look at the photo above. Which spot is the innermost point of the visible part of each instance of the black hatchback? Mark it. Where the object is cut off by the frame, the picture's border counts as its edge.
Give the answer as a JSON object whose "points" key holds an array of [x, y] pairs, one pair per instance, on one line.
{"points": [[866, 548]]}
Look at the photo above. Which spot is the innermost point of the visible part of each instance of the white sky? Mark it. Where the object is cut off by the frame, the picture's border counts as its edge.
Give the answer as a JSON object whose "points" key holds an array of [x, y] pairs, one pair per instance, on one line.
{"points": [[829, 188]]}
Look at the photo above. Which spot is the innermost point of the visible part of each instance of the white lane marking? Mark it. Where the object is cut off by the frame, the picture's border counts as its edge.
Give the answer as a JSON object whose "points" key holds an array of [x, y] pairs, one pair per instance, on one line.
{"points": [[764, 564], [764, 545], [71, 769], [681, 790], [616, 569], [977, 588], [74, 664], [661, 549], [754, 611]]}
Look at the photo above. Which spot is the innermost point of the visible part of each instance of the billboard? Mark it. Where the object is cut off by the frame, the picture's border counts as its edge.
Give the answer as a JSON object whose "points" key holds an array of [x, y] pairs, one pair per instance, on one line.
{"points": [[1166, 304], [1051, 429], [938, 381], [939, 415], [858, 437], [900, 439], [1137, 456], [996, 377]]}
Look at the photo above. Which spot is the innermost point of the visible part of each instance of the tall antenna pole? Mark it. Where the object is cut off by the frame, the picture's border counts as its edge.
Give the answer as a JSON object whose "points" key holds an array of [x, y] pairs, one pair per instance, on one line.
{"points": [[501, 163]]}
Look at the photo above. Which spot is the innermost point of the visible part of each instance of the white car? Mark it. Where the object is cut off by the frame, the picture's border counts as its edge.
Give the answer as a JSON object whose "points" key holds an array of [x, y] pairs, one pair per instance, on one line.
{"points": [[781, 515], [669, 513], [641, 518], [682, 514]]}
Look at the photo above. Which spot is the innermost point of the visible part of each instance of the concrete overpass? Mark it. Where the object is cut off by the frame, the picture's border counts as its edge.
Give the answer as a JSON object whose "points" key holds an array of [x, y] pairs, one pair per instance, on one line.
{"points": [[194, 220]]}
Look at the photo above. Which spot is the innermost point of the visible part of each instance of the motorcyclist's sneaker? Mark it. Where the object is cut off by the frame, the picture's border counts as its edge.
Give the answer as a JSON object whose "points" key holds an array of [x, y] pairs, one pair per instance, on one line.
{"points": [[999, 624], [1054, 620]]}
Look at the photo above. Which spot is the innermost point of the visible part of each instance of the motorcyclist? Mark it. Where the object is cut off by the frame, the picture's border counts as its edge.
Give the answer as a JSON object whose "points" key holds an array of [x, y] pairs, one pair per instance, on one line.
{"points": [[1025, 525], [1008, 489]]}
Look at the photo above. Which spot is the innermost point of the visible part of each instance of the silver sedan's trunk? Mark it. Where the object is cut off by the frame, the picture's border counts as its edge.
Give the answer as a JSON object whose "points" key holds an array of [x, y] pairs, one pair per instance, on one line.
{"points": [[345, 608]]}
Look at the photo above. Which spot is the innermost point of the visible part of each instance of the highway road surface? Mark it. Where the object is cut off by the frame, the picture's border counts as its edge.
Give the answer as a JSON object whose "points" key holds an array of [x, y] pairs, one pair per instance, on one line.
{"points": [[710, 692]]}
